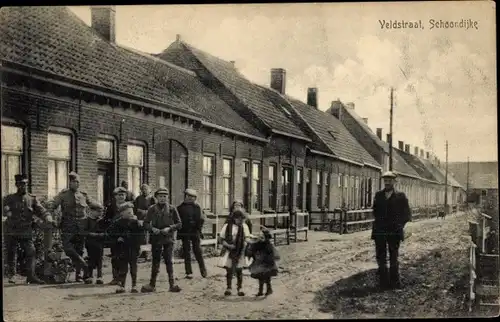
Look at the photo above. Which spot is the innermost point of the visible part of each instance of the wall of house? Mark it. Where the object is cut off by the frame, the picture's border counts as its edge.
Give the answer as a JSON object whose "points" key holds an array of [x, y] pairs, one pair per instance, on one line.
{"points": [[40, 112]]}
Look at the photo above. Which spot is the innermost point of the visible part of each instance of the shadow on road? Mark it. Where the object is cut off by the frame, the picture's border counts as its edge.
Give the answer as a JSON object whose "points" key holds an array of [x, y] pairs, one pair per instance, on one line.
{"points": [[432, 286], [108, 295]]}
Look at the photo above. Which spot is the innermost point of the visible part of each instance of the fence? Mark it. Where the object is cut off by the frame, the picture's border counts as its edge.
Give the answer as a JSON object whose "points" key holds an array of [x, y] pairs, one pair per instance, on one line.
{"points": [[483, 267], [287, 224]]}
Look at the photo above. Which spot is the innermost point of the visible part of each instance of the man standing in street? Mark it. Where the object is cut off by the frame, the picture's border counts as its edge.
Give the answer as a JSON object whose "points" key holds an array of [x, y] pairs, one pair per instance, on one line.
{"points": [[162, 221], [21, 209], [391, 211], [141, 206], [74, 205], [192, 218]]}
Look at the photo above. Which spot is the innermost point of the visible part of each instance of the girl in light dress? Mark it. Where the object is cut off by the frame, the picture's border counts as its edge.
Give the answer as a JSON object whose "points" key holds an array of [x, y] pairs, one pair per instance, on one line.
{"points": [[233, 237]]}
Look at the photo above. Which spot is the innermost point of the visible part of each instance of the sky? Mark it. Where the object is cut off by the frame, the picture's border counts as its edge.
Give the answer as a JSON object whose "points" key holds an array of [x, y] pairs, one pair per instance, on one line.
{"points": [[444, 80]]}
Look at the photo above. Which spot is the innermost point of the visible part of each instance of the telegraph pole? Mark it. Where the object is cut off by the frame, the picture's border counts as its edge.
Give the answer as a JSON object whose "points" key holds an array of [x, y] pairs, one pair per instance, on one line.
{"points": [[446, 182], [467, 188], [390, 129]]}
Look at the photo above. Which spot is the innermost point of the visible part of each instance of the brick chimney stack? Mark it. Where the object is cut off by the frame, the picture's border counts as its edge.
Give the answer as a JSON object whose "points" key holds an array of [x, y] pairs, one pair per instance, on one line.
{"points": [[103, 21], [365, 119], [401, 145], [278, 79], [312, 97], [379, 133], [416, 151], [407, 148]]}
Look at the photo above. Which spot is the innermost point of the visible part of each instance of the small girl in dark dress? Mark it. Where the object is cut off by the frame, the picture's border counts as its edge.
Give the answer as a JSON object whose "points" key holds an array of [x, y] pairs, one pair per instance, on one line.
{"points": [[264, 265]]}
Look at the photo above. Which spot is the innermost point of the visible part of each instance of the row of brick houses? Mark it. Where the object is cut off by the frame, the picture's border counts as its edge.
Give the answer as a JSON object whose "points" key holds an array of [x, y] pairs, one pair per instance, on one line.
{"points": [[73, 99]]}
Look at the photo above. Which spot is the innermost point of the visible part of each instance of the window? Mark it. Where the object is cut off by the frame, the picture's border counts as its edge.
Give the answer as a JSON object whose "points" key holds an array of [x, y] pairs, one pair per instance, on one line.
{"points": [[12, 156], [227, 186], [308, 190], [352, 204], [161, 182], [245, 176], [362, 192], [319, 184], [286, 178], [300, 186], [272, 186], [339, 180], [346, 191], [135, 159], [106, 169], [256, 188], [326, 190], [208, 182], [60, 157], [356, 192]]}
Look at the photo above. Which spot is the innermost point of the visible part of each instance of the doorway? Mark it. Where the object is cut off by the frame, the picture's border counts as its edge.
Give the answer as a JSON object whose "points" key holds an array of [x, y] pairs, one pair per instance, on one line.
{"points": [[105, 182]]}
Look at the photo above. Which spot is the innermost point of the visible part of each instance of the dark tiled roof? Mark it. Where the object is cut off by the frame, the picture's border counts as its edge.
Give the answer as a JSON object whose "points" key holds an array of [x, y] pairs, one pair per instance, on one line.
{"points": [[252, 95], [419, 167], [333, 133], [55, 41], [190, 90], [383, 145], [482, 175], [434, 170], [398, 163]]}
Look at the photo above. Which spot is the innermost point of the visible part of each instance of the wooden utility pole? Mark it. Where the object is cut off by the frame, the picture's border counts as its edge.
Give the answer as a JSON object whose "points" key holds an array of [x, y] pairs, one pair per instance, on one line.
{"points": [[390, 130], [446, 182], [467, 185]]}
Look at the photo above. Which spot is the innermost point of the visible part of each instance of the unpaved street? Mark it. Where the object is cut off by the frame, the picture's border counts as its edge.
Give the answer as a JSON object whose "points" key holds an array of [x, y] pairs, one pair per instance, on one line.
{"points": [[330, 276]]}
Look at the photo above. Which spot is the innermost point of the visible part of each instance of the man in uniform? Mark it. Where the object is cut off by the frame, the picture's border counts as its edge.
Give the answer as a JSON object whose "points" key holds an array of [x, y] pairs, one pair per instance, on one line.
{"points": [[74, 206], [391, 211], [21, 209]]}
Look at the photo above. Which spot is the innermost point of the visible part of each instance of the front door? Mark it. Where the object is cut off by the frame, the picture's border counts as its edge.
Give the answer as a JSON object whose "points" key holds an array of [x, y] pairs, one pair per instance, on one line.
{"points": [[286, 189], [171, 169], [105, 183]]}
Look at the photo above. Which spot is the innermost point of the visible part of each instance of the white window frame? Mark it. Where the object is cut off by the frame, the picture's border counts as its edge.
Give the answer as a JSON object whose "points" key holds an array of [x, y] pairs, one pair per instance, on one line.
{"points": [[208, 192], [8, 179], [135, 187], [227, 182], [68, 161], [256, 195], [273, 189]]}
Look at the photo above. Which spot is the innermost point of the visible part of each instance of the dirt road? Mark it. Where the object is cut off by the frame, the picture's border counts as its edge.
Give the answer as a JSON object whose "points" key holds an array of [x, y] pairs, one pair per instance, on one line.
{"points": [[330, 276]]}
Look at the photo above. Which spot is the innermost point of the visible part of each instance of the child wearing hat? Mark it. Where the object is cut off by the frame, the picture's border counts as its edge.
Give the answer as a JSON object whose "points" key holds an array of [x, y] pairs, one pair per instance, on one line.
{"points": [[264, 265], [234, 235], [95, 228], [124, 232], [163, 222]]}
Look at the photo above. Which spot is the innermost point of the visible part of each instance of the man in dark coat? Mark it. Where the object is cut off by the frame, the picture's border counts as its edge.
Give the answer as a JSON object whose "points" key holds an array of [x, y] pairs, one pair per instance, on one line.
{"points": [[21, 209], [141, 206], [192, 218], [391, 211]]}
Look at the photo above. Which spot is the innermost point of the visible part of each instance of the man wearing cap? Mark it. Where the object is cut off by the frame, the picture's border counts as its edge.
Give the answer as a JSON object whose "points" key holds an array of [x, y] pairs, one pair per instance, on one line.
{"points": [[141, 206], [391, 211], [162, 221], [130, 194], [192, 218], [74, 205], [21, 209]]}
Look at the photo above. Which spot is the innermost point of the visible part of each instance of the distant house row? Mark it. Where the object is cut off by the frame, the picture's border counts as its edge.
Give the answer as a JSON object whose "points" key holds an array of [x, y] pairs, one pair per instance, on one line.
{"points": [[73, 99]]}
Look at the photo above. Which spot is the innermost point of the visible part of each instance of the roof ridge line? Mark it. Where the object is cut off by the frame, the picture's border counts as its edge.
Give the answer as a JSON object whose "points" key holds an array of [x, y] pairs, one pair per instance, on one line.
{"points": [[159, 60]]}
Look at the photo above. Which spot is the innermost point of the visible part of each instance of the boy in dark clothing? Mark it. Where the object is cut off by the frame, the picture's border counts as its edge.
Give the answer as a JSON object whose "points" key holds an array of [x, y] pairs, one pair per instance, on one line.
{"points": [[95, 228], [141, 206], [109, 215], [163, 221], [192, 218], [124, 232]]}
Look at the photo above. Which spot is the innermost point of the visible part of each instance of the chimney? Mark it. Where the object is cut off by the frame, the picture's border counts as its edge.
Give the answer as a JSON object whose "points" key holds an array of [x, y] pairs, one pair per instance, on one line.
{"points": [[278, 79], [416, 151], [388, 137], [103, 21], [428, 156], [407, 148], [379, 133], [350, 105], [336, 109], [312, 97], [401, 145], [422, 153], [233, 63], [365, 119]]}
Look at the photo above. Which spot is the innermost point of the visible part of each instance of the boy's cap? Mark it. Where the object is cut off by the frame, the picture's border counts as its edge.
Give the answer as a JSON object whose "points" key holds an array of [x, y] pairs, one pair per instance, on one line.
{"points": [[190, 192], [73, 176], [119, 190], [161, 191], [21, 178]]}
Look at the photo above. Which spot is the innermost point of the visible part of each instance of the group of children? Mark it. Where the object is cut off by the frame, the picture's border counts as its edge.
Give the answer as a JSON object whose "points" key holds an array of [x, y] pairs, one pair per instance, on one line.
{"points": [[124, 231]]}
